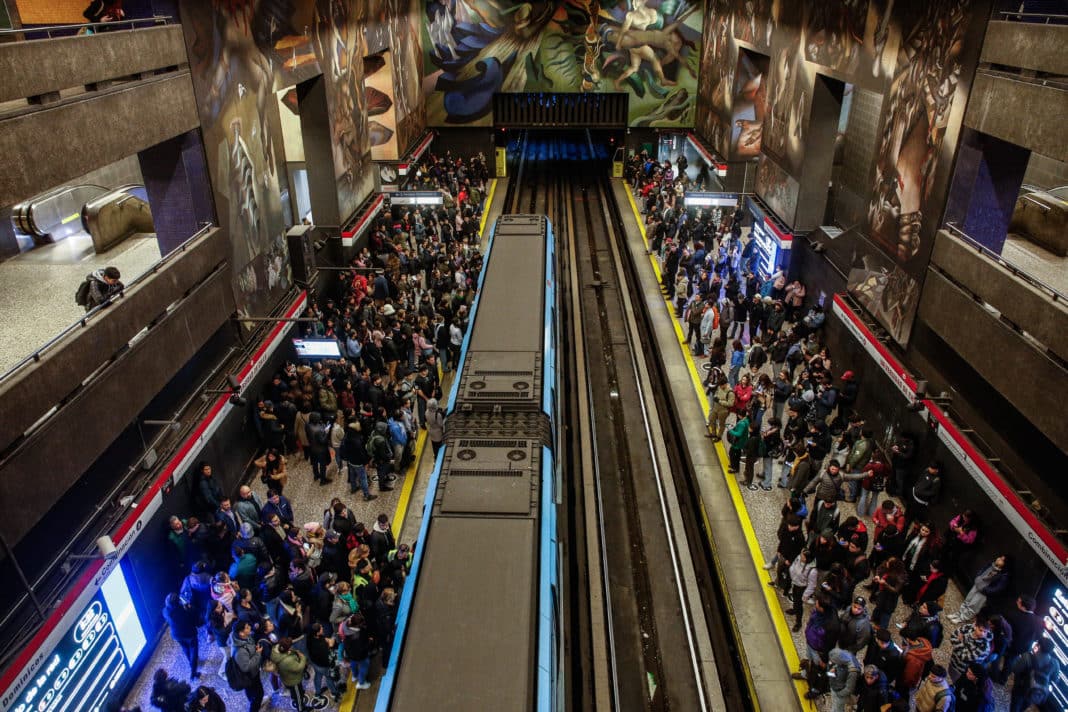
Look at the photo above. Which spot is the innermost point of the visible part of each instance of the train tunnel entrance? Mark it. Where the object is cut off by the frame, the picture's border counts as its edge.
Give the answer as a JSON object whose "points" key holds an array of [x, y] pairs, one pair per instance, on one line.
{"points": [[560, 110]]}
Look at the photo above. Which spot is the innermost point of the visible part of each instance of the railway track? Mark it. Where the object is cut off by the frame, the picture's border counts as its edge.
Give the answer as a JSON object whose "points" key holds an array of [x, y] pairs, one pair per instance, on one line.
{"points": [[647, 622]]}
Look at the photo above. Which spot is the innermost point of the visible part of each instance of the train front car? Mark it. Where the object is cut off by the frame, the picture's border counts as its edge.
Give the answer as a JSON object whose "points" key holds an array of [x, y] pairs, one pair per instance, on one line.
{"points": [[478, 625]]}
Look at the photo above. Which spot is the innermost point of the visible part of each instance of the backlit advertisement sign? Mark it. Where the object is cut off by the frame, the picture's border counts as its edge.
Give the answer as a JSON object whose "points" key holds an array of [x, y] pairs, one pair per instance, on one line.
{"points": [[1056, 620], [90, 658]]}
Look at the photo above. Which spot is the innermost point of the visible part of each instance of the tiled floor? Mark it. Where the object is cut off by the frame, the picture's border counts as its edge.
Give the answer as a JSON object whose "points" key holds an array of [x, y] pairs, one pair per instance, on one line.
{"points": [[37, 288]]}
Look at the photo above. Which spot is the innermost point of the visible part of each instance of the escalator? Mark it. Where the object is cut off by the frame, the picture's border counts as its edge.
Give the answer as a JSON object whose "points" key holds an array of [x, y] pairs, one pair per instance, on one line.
{"points": [[108, 215]]}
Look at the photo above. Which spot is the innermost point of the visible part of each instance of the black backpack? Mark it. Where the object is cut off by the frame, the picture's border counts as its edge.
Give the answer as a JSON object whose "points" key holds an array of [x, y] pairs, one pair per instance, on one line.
{"points": [[81, 297], [235, 676]]}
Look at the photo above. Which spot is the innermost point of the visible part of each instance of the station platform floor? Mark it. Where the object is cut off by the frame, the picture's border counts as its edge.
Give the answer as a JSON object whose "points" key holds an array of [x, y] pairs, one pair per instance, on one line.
{"points": [[743, 523], [403, 505], [37, 288]]}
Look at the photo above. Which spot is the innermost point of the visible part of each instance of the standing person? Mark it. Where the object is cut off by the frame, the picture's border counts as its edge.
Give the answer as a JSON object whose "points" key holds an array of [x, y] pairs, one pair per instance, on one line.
{"points": [[844, 674], [974, 691], [291, 664], [901, 454], [321, 655], [935, 694], [183, 621], [1026, 629], [248, 657], [753, 450], [803, 578], [917, 656], [722, 402], [971, 643], [435, 425], [991, 580], [771, 438], [354, 453], [872, 691], [319, 440], [358, 647], [1034, 674], [924, 493], [738, 436], [821, 636], [737, 360], [886, 655], [99, 287]]}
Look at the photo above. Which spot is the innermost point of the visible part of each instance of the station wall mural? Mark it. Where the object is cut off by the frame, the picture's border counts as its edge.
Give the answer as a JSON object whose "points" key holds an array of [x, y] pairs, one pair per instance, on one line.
{"points": [[647, 48], [918, 54], [241, 53]]}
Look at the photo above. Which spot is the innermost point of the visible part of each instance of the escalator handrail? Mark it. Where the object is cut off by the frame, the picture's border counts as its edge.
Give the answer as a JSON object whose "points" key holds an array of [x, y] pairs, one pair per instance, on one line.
{"points": [[95, 311]]}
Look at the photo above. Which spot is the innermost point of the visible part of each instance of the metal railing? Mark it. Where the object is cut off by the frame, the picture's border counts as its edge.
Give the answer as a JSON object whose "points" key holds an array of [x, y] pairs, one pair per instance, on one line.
{"points": [[47, 32], [1039, 17], [95, 311], [1016, 271]]}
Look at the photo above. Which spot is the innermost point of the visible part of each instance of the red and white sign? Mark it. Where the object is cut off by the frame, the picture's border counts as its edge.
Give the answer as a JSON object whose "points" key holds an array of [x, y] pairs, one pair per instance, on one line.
{"points": [[786, 240], [720, 168], [350, 235], [23, 669], [990, 481]]}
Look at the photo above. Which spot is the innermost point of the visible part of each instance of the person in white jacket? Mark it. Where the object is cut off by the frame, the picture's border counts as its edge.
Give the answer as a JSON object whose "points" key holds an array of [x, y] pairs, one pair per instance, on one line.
{"points": [[803, 575]]}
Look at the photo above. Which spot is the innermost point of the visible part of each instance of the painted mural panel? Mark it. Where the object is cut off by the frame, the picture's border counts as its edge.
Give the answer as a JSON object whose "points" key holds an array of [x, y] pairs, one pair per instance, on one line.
{"points": [[234, 55], [647, 48], [926, 100], [381, 110], [777, 188], [718, 63], [750, 104], [405, 33], [753, 23], [790, 85], [341, 47]]}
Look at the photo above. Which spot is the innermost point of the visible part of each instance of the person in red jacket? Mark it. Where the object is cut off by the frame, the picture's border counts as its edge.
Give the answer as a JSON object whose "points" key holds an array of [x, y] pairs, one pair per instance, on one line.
{"points": [[917, 655]]}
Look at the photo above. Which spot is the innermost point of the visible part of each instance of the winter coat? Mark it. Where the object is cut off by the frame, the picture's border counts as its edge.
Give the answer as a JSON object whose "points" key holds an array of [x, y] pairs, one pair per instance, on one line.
{"points": [[290, 665], [846, 670], [915, 660]]}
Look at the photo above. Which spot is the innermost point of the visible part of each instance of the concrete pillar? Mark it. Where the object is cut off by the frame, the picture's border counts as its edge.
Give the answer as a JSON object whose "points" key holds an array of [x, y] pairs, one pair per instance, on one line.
{"points": [[986, 183], [179, 192], [318, 154]]}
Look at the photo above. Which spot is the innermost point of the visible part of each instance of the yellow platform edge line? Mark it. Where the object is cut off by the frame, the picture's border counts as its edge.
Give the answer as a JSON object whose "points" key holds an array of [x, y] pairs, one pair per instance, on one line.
{"points": [[782, 627], [486, 208]]}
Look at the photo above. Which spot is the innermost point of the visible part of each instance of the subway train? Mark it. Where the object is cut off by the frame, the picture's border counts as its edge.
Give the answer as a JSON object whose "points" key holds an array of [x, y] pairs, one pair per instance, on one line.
{"points": [[479, 624]]}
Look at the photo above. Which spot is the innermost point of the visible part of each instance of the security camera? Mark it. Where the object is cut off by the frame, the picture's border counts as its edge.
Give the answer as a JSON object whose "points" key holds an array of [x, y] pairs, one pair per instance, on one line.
{"points": [[921, 390], [106, 547], [231, 380]]}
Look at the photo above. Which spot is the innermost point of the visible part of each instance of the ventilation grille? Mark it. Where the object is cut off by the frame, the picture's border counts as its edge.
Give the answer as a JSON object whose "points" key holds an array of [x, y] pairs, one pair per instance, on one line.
{"points": [[509, 395], [600, 109], [481, 372], [492, 443], [486, 473]]}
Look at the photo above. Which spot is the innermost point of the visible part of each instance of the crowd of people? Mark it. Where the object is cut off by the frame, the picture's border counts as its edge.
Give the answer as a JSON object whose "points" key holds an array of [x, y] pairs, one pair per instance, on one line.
{"points": [[287, 601], [867, 588]]}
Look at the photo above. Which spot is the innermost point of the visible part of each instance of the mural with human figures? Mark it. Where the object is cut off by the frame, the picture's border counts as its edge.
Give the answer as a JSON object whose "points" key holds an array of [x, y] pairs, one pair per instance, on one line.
{"points": [[244, 51], [647, 48], [918, 55]]}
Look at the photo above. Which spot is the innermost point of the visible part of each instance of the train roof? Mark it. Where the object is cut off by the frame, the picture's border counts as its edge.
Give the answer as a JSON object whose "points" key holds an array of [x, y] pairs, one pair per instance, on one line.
{"points": [[512, 299], [479, 576]]}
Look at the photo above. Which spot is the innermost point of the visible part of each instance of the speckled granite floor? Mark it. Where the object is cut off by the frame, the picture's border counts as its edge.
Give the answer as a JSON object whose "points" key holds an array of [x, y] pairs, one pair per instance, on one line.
{"points": [[37, 288]]}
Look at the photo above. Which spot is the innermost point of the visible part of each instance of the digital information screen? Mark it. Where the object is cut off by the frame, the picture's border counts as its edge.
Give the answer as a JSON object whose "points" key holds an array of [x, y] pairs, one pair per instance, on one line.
{"points": [[723, 200], [416, 197], [90, 658], [1056, 620], [767, 245], [317, 348]]}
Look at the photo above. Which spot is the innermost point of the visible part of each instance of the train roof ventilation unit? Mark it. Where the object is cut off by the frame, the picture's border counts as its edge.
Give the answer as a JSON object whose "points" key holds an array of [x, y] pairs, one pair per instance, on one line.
{"points": [[491, 477]]}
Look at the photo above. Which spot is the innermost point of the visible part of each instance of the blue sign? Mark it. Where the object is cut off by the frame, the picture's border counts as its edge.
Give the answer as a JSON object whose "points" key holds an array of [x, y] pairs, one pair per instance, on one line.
{"points": [[1056, 621], [90, 659]]}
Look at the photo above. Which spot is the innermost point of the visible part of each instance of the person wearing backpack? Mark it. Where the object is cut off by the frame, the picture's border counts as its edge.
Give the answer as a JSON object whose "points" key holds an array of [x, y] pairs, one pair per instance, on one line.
{"points": [[98, 288], [934, 693], [821, 636], [243, 668], [1033, 674], [381, 454], [169, 694]]}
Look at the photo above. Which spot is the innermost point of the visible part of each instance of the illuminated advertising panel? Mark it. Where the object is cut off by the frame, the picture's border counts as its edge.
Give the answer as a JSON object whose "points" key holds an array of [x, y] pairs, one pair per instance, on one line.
{"points": [[317, 348], [1056, 620], [416, 197], [91, 657]]}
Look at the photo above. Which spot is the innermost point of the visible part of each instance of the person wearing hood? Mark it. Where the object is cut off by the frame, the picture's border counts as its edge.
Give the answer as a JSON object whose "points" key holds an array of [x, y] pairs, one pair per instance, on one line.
{"points": [[248, 657], [856, 627], [843, 673], [974, 691], [918, 653], [434, 420], [924, 622], [102, 285], [382, 540]]}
